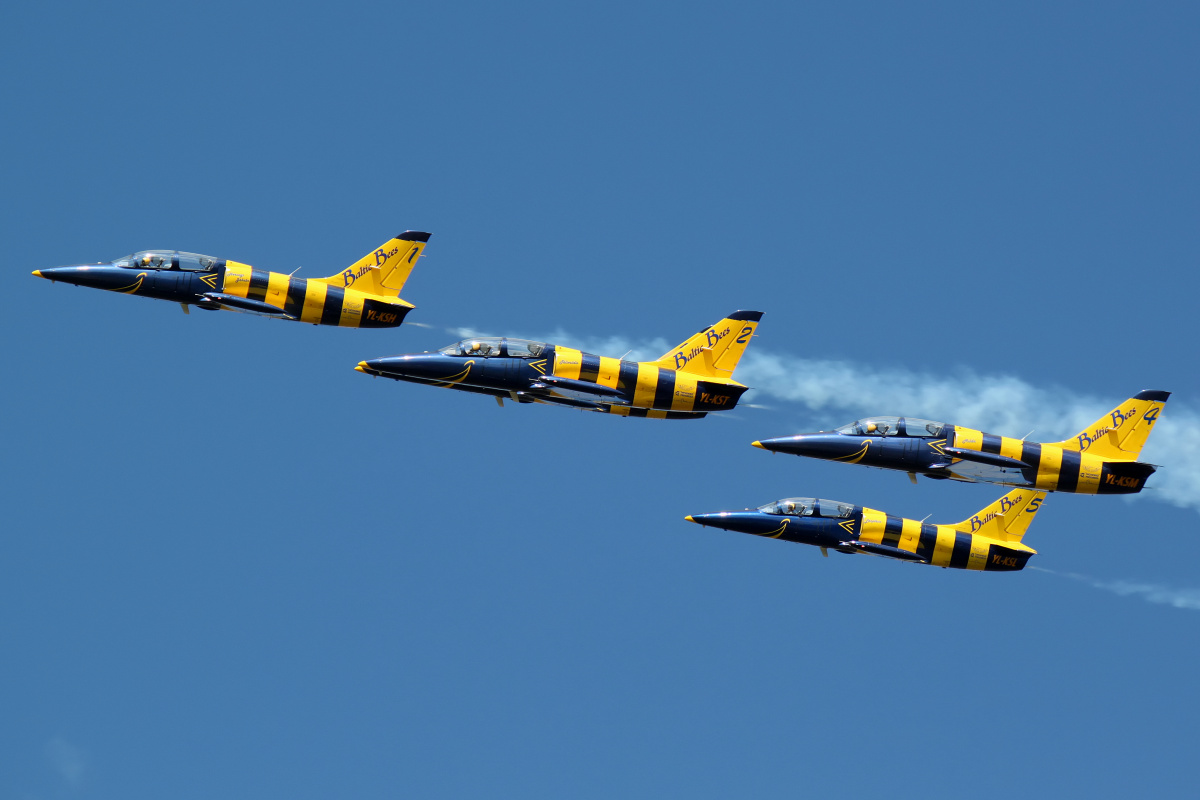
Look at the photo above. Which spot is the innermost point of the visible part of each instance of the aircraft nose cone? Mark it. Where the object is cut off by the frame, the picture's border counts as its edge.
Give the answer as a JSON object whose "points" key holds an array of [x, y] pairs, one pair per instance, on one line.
{"points": [[64, 274], [97, 276], [814, 445], [741, 521], [419, 366]]}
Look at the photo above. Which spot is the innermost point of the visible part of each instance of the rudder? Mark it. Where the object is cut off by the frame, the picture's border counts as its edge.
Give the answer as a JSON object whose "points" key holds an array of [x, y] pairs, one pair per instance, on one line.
{"points": [[715, 351]]}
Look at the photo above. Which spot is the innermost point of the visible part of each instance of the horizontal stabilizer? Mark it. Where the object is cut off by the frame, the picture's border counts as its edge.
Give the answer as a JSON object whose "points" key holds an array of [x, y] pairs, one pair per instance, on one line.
{"points": [[884, 550], [986, 458], [235, 303]]}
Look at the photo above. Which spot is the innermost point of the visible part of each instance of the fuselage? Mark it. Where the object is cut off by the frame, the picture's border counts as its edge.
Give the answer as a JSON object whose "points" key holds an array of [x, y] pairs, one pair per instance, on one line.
{"points": [[854, 529], [939, 450], [529, 372], [212, 283]]}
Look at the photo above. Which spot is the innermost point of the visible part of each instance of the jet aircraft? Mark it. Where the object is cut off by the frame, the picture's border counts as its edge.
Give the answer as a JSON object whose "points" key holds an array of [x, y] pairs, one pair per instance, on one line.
{"points": [[364, 295], [1100, 459], [989, 540], [686, 383]]}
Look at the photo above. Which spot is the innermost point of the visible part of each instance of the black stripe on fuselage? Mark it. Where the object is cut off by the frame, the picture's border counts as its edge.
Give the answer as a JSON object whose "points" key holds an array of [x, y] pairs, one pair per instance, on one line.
{"points": [[627, 379], [1031, 454], [991, 444], [961, 551], [331, 314], [259, 280], [294, 303], [928, 540], [589, 367], [1068, 473], [664, 392], [638, 412], [893, 527]]}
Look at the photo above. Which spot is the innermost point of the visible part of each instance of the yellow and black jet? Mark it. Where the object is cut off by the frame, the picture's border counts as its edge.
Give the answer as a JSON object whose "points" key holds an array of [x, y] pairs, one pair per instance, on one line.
{"points": [[686, 383], [364, 295], [989, 540], [1100, 459]]}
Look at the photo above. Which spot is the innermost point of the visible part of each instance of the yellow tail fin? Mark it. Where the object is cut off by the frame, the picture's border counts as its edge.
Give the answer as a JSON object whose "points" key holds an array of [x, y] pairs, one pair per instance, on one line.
{"points": [[385, 270], [715, 351], [1007, 519], [1121, 433]]}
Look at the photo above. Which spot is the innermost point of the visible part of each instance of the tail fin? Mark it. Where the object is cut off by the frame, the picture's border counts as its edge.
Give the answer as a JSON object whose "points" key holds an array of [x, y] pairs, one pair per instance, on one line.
{"points": [[1007, 519], [385, 270], [714, 352], [1121, 433]]}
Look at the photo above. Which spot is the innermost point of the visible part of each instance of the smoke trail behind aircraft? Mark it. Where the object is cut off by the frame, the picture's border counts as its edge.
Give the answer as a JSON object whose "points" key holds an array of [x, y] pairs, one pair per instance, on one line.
{"points": [[839, 391], [1150, 592]]}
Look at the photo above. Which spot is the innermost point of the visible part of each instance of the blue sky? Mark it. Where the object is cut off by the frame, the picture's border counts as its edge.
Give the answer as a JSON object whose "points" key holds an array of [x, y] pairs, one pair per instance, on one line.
{"points": [[232, 566]]}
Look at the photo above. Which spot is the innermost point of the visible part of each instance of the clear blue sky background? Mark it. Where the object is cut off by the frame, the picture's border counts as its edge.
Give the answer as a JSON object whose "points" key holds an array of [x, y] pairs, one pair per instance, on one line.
{"points": [[232, 567]]}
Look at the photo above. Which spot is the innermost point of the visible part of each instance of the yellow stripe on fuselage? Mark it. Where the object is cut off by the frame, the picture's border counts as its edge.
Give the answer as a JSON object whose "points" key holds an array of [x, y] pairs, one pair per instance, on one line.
{"points": [[1011, 448], [647, 381], [610, 372], [352, 308], [314, 302], [237, 279], [944, 547], [277, 286], [979, 551], [684, 397], [1048, 469], [967, 438], [872, 527], [567, 362], [910, 535], [1089, 474]]}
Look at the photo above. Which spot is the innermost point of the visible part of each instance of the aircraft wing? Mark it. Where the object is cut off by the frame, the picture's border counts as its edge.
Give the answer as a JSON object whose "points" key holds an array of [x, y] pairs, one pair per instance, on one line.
{"points": [[880, 550], [583, 387], [243, 304], [569, 402], [974, 471], [986, 458]]}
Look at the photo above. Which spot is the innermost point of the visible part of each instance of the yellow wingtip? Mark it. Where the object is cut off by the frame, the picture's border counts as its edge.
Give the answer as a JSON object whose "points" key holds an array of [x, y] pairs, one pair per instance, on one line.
{"points": [[362, 367], [689, 518], [759, 445], [38, 273]]}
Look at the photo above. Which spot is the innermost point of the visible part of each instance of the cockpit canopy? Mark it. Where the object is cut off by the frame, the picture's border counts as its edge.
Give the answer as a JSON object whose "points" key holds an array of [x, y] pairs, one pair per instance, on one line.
{"points": [[495, 346], [168, 259], [809, 507], [892, 426]]}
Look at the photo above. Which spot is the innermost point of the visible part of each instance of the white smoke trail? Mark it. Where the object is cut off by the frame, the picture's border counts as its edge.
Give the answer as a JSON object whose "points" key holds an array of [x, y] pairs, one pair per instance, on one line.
{"points": [[1150, 592], [839, 391]]}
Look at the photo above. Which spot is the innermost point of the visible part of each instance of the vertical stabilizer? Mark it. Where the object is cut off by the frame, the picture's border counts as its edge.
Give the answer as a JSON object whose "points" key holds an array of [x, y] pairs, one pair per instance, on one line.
{"points": [[1121, 433], [715, 351], [1008, 518], [385, 270]]}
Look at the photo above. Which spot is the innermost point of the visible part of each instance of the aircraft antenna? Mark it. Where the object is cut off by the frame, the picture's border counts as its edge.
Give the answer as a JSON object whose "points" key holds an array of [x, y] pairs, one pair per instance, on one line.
{"points": [[622, 358], [927, 516], [293, 272], [1026, 436]]}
